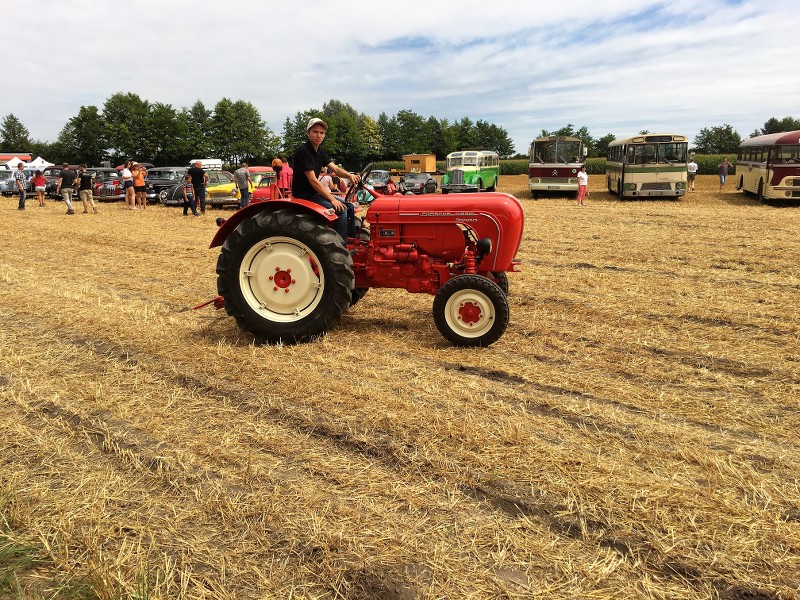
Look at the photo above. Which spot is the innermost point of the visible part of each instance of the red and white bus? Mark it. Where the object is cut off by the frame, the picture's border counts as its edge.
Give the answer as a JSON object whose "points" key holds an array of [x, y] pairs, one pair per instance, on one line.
{"points": [[769, 166], [554, 164]]}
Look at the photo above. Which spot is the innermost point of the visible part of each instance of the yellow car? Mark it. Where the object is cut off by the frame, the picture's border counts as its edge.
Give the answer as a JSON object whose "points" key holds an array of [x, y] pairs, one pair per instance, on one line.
{"points": [[221, 189]]}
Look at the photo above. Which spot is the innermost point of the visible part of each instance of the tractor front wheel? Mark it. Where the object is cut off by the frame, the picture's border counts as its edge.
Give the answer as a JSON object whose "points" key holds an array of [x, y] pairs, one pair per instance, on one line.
{"points": [[471, 310], [285, 276]]}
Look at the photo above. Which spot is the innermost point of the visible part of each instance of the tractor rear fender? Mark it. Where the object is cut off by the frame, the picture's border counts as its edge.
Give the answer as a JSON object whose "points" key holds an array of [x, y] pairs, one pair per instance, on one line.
{"points": [[327, 215]]}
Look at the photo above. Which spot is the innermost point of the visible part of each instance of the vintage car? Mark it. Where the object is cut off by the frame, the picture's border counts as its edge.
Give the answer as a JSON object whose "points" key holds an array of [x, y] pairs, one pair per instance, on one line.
{"points": [[417, 183], [220, 191], [381, 181], [160, 179], [52, 175], [8, 185], [257, 174]]}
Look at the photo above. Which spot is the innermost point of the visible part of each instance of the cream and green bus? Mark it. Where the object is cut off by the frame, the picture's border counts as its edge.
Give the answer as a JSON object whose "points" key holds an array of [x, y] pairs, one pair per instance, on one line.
{"points": [[471, 171], [769, 166], [647, 165]]}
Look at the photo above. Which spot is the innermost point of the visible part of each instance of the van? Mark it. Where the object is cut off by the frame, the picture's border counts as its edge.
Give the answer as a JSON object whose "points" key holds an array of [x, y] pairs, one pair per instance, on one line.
{"points": [[209, 164]]}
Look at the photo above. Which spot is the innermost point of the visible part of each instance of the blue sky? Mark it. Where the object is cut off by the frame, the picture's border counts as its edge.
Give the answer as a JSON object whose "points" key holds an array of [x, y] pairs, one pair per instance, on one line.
{"points": [[616, 67]]}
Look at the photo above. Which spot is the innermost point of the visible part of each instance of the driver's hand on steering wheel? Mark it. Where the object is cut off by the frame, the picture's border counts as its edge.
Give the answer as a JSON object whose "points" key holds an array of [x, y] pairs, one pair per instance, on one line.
{"points": [[355, 178]]}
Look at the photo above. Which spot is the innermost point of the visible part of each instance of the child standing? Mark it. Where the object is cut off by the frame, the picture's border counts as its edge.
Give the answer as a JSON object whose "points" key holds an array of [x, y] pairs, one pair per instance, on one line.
{"points": [[583, 185], [188, 197]]}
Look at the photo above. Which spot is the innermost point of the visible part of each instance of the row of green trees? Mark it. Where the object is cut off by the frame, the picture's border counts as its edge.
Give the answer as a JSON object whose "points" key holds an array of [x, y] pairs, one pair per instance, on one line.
{"points": [[129, 126]]}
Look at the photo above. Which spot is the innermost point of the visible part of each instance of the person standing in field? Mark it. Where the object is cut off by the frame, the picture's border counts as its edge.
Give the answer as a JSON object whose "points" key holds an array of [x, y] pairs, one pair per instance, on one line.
{"points": [[691, 172], [127, 185], [22, 184], [199, 181], [189, 200], [583, 185], [39, 185], [285, 179], [723, 171], [85, 194], [139, 186], [66, 186], [243, 181]]}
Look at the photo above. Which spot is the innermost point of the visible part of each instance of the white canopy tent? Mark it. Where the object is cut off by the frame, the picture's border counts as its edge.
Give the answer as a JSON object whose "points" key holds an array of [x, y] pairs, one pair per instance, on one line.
{"points": [[39, 163]]}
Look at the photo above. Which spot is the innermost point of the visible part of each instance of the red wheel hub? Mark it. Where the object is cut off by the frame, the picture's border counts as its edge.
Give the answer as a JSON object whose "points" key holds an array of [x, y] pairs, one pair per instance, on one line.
{"points": [[282, 279], [469, 313]]}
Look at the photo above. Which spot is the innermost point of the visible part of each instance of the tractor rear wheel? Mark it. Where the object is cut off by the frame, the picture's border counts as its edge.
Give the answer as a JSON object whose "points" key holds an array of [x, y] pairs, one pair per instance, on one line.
{"points": [[471, 310], [285, 276]]}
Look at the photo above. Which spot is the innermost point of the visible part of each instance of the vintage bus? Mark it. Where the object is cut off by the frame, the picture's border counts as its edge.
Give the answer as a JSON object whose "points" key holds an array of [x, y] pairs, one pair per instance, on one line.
{"points": [[647, 165], [471, 171], [554, 162], [769, 166]]}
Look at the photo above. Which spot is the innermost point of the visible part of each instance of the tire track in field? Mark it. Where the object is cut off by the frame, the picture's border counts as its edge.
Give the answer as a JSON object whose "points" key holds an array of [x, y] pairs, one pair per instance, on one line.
{"points": [[508, 498], [134, 450]]}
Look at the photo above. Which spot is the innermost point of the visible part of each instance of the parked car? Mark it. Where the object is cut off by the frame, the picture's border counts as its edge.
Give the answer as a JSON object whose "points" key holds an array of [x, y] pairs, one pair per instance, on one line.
{"points": [[262, 190], [220, 190], [381, 181], [258, 173], [418, 183], [160, 179], [52, 175], [8, 185]]}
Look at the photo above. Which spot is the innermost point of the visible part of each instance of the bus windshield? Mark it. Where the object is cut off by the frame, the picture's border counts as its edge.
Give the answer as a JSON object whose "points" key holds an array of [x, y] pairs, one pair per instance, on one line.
{"points": [[556, 151], [642, 154], [787, 155]]}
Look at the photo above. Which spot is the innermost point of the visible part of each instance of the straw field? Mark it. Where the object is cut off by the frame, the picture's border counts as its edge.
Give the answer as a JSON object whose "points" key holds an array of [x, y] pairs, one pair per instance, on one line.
{"points": [[634, 434]]}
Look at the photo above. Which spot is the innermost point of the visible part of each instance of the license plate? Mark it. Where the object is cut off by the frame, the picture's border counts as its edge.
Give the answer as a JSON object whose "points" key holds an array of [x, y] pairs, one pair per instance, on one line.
{"points": [[553, 187]]}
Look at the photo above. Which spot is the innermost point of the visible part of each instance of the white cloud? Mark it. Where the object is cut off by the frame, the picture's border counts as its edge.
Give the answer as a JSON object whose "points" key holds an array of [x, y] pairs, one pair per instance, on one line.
{"points": [[614, 67]]}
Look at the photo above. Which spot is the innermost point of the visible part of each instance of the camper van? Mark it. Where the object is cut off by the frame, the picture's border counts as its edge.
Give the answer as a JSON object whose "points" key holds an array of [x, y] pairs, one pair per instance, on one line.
{"points": [[209, 164]]}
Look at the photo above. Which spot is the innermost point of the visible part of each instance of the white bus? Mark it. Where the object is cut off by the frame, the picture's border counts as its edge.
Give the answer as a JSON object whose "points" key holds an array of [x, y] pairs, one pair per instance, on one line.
{"points": [[647, 165], [554, 162], [769, 166]]}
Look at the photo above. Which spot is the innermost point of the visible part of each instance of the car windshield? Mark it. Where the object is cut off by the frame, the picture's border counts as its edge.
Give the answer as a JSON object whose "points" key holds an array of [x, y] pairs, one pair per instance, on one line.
{"points": [[167, 174], [52, 172], [417, 177], [378, 177], [5, 174]]}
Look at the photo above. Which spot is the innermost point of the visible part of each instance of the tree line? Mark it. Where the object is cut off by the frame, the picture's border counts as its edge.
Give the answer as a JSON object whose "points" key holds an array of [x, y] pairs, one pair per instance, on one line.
{"points": [[130, 126]]}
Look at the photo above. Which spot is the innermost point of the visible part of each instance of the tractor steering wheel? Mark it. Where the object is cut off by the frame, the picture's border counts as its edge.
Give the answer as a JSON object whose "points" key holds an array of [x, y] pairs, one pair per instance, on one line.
{"points": [[362, 177]]}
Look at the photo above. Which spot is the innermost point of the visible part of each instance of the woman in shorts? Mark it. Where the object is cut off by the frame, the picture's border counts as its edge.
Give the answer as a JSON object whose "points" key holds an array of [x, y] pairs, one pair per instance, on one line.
{"points": [[139, 187], [39, 183], [127, 186]]}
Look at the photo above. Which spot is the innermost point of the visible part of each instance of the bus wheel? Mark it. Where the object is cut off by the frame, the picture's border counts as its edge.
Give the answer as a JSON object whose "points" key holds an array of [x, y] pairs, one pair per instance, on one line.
{"points": [[534, 194], [619, 190], [480, 185], [492, 187], [608, 185], [760, 193], [741, 184]]}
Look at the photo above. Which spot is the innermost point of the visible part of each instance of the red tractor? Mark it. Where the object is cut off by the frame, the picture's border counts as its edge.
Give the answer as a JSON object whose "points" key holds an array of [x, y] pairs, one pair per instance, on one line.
{"points": [[285, 275]]}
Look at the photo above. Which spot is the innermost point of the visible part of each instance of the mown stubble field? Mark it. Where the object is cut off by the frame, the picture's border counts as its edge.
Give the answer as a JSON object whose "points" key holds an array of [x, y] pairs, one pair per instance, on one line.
{"points": [[633, 434]]}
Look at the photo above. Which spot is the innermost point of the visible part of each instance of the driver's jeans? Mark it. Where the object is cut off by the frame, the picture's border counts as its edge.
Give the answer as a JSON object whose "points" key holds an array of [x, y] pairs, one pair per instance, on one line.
{"points": [[346, 223]]}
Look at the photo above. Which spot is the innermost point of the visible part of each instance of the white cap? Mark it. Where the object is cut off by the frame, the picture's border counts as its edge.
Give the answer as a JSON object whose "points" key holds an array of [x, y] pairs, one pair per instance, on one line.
{"points": [[315, 121]]}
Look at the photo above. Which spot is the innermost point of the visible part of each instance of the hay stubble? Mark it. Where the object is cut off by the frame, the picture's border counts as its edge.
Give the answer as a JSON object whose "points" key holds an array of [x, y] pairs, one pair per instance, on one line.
{"points": [[633, 434]]}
